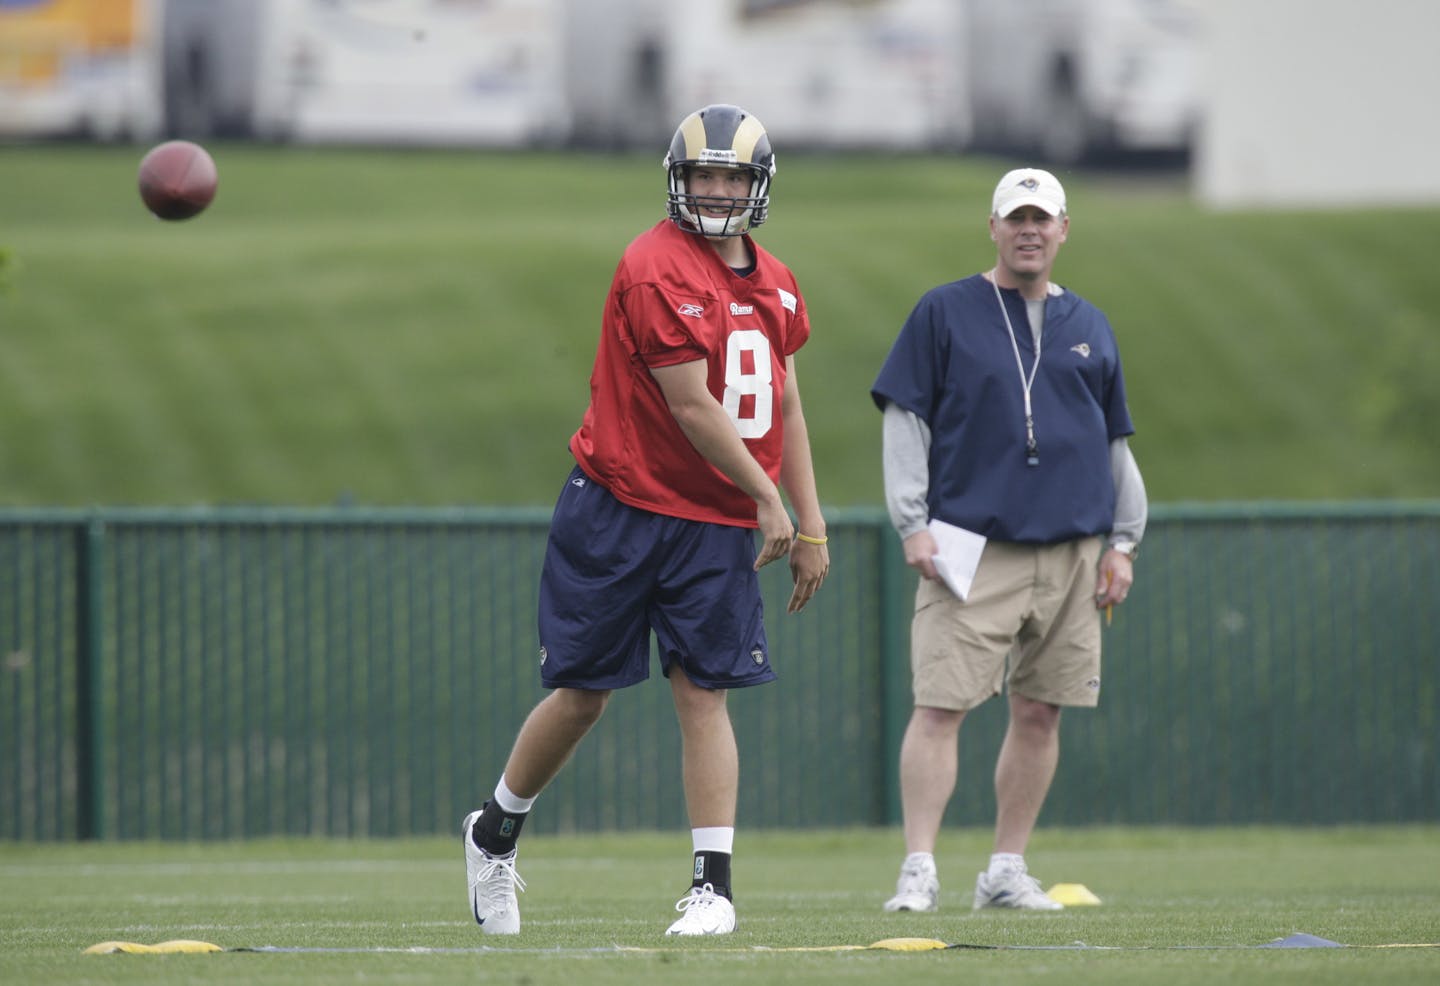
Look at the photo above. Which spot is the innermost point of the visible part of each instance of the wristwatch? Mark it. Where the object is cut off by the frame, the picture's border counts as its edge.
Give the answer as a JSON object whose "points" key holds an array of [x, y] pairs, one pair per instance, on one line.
{"points": [[1130, 549]]}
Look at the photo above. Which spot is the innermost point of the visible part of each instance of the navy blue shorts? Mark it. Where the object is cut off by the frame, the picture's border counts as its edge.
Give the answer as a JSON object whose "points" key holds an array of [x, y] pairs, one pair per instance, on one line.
{"points": [[614, 573]]}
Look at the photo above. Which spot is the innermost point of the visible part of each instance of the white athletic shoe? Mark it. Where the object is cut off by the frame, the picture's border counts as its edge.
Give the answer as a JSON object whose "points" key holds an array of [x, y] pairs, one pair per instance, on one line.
{"points": [[703, 912], [1013, 888], [493, 882], [918, 888]]}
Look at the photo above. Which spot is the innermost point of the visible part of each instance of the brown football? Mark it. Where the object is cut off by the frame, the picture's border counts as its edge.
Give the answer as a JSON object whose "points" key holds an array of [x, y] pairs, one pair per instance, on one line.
{"points": [[177, 179]]}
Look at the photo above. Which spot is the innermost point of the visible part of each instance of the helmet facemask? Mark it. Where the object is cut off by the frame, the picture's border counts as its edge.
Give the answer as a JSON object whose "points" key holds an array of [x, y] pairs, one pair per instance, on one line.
{"points": [[719, 137], [743, 213]]}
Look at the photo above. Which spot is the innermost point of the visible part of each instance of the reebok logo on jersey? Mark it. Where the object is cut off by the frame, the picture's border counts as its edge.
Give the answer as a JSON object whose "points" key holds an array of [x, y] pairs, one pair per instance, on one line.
{"points": [[694, 311], [1082, 348], [787, 299], [736, 309]]}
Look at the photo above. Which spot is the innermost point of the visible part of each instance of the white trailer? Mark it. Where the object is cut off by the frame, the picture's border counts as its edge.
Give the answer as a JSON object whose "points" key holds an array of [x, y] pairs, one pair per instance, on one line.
{"points": [[1320, 106], [879, 74], [80, 68], [1074, 79], [455, 72]]}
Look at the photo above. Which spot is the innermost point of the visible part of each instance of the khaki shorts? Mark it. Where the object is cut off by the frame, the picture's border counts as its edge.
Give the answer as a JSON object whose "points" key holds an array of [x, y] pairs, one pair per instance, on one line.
{"points": [[1032, 604]]}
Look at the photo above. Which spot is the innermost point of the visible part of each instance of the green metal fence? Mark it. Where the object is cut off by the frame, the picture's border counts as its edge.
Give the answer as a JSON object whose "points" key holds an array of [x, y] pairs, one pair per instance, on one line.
{"points": [[222, 673]]}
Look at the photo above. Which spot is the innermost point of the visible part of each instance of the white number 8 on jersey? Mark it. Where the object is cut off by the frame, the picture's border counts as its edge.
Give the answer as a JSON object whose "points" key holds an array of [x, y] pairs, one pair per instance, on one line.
{"points": [[756, 383]]}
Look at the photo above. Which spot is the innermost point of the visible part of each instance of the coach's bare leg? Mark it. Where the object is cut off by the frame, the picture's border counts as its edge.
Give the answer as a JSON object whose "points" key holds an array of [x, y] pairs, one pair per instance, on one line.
{"points": [[549, 736], [928, 763], [711, 762], [1024, 770]]}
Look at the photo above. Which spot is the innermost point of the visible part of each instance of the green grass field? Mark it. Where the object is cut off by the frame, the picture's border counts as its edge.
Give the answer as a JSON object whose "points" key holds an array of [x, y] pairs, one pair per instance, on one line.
{"points": [[1178, 907], [417, 328]]}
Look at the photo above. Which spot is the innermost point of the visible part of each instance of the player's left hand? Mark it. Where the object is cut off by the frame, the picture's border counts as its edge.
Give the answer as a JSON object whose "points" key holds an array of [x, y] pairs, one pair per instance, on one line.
{"points": [[809, 564]]}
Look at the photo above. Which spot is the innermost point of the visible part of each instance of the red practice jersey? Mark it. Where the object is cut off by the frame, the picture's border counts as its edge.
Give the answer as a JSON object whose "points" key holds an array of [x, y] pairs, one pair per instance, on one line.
{"points": [[673, 301]]}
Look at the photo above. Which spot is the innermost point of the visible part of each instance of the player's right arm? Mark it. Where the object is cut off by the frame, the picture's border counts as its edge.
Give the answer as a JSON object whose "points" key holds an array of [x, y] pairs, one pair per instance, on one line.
{"points": [[709, 428], [809, 562]]}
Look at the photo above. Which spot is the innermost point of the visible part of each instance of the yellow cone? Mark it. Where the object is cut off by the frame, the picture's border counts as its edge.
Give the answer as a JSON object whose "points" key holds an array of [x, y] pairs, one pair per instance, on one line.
{"points": [[909, 944], [112, 947], [1071, 894], [186, 946], [172, 947]]}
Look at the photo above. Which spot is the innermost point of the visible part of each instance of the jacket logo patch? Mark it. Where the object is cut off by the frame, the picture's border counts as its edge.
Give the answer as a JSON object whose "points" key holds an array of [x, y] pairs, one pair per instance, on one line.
{"points": [[1083, 349]]}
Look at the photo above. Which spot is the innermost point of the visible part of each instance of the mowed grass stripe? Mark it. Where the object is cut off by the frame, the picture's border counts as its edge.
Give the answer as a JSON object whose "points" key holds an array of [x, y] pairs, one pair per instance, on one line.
{"points": [[417, 328]]}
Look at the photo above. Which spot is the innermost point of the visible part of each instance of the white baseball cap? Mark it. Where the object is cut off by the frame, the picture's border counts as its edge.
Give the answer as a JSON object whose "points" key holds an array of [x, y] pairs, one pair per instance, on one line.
{"points": [[1028, 186]]}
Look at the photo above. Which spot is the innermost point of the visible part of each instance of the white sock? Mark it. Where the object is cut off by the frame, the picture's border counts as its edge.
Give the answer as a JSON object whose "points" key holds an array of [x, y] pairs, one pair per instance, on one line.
{"points": [[1001, 861], [510, 802], [715, 839], [920, 859]]}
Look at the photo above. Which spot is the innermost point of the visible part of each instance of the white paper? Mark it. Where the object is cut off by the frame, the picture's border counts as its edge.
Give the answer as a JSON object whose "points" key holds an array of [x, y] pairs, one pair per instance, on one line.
{"points": [[957, 555]]}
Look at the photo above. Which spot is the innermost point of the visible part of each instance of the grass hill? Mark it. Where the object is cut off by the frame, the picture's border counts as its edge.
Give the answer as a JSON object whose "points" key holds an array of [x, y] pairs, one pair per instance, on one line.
{"points": [[417, 328]]}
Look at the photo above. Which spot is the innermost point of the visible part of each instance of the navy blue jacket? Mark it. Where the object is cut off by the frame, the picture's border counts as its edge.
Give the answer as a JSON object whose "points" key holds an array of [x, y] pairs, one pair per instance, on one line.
{"points": [[953, 365]]}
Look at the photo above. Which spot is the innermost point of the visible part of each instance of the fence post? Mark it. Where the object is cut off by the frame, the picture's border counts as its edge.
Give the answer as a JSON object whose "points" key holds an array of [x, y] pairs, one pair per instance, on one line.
{"points": [[89, 772], [896, 698]]}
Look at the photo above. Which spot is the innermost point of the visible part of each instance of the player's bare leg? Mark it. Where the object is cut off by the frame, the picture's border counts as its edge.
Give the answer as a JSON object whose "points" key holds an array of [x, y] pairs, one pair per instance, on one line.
{"points": [[711, 762], [711, 769], [549, 737], [546, 741]]}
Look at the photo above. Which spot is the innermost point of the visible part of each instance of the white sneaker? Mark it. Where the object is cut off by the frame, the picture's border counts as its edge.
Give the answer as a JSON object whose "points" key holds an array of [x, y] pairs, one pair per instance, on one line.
{"points": [[918, 888], [704, 912], [493, 882], [1013, 888]]}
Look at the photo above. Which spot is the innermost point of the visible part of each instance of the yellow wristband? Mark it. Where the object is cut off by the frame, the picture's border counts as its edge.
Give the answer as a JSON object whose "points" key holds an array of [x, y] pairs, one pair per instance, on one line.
{"points": [[809, 540]]}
